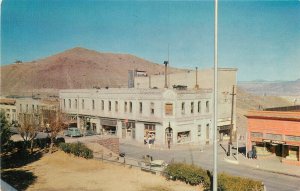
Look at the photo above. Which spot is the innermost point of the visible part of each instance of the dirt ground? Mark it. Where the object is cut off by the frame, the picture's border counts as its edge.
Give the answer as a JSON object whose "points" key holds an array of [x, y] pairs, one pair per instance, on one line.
{"points": [[60, 171]]}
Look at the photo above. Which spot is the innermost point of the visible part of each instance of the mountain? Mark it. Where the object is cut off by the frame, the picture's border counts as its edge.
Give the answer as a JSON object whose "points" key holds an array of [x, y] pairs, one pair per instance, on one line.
{"points": [[74, 68], [278, 88]]}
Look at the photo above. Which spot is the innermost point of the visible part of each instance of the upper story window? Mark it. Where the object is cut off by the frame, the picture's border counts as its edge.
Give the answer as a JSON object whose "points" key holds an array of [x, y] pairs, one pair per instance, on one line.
{"points": [[125, 106], [116, 106], [33, 109], [70, 103], [182, 108], [93, 104], [141, 107], [102, 105], [21, 109], [76, 103], [26, 107], [199, 106], [109, 106], [64, 103], [152, 108], [207, 106], [169, 109], [130, 107], [82, 103], [192, 107]]}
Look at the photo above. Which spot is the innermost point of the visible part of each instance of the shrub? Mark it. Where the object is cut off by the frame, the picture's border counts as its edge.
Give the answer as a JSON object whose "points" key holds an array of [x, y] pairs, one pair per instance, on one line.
{"points": [[195, 175], [77, 149], [189, 174], [227, 182]]}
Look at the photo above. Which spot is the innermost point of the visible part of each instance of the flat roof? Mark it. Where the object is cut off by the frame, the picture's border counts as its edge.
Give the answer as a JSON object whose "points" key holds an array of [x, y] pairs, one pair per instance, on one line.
{"points": [[285, 108], [280, 115]]}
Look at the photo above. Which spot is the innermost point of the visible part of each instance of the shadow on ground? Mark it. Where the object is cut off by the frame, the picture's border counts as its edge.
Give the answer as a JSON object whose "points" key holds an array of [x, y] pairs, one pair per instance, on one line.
{"points": [[19, 179]]}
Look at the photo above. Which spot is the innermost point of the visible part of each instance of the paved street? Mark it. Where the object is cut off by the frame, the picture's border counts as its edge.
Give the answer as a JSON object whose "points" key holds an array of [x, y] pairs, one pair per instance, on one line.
{"points": [[193, 155]]}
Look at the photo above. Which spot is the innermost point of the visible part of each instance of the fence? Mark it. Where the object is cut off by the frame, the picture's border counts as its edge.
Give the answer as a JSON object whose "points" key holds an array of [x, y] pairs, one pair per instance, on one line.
{"points": [[142, 164]]}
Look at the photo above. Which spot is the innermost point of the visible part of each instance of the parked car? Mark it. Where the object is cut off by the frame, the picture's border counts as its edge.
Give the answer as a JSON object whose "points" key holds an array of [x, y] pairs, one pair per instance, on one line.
{"points": [[73, 132]]}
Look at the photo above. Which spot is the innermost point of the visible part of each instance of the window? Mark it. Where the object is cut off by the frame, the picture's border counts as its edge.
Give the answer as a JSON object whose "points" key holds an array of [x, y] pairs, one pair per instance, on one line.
{"points": [[102, 105], [199, 130], [26, 107], [130, 107], [125, 106], [182, 108], [82, 104], [93, 104], [141, 107], [75, 104], [37, 108], [33, 108], [192, 107], [116, 106], [64, 103], [152, 108], [207, 106], [21, 108], [169, 109], [109, 106], [70, 103], [199, 106]]}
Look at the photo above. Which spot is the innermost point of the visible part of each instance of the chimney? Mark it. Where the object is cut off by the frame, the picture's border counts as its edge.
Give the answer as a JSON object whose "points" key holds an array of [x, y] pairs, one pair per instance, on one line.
{"points": [[196, 86], [166, 71]]}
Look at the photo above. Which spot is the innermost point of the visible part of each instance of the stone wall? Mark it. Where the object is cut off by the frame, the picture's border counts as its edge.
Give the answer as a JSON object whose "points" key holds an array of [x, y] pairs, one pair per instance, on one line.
{"points": [[111, 144]]}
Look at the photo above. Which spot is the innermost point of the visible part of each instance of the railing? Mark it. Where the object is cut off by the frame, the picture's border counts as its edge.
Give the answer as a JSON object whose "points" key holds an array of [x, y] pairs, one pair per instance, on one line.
{"points": [[130, 162]]}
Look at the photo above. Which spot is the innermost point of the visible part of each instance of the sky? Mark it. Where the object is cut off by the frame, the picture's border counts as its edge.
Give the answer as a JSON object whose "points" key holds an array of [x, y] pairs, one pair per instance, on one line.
{"points": [[260, 38]]}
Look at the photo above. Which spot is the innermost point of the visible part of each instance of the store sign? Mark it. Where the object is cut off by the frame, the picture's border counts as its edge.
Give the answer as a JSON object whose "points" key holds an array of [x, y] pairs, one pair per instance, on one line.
{"points": [[273, 141], [273, 136], [108, 122]]}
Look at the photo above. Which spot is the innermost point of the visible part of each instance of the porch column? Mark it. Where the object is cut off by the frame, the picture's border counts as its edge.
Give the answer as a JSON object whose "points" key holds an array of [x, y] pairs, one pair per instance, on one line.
{"points": [[282, 154], [298, 153]]}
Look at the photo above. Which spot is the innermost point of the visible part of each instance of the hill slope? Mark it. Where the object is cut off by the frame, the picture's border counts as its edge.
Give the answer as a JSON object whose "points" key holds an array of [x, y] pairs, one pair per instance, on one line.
{"points": [[282, 88], [74, 68]]}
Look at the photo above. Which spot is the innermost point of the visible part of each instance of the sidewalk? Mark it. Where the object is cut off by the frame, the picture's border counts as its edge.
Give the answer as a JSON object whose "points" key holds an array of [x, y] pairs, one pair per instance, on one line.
{"points": [[162, 147], [271, 164]]}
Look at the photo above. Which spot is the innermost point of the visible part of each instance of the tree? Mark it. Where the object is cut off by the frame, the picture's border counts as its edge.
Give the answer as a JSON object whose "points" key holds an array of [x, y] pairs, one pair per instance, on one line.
{"points": [[54, 122], [29, 125], [5, 133]]}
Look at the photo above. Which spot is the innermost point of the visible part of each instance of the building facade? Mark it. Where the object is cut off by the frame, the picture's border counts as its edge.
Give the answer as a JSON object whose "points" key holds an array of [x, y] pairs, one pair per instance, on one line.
{"points": [[156, 115], [8, 106], [276, 132], [202, 78]]}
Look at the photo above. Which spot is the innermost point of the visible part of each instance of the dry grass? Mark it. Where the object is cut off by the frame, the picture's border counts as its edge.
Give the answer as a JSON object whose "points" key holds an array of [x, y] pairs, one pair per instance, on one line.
{"points": [[60, 171]]}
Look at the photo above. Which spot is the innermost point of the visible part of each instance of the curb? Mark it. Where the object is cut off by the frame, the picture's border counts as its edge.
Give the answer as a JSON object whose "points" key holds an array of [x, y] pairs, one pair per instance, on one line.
{"points": [[231, 161]]}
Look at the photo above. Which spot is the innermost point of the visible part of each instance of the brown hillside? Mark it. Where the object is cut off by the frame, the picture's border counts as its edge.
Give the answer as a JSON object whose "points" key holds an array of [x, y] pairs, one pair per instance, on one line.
{"points": [[74, 68]]}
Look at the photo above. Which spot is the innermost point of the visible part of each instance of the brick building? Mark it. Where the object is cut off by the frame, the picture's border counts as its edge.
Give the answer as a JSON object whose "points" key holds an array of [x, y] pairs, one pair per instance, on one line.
{"points": [[277, 131]]}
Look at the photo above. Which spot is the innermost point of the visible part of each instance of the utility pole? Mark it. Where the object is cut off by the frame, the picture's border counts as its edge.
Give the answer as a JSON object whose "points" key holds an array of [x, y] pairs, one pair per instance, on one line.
{"points": [[231, 120], [215, 125]]}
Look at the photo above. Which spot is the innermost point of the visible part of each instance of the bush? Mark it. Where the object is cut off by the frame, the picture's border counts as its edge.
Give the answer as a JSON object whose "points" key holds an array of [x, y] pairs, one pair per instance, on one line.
{"points": [[195, 175], [227, 182], [77, 149], [189, 174]]}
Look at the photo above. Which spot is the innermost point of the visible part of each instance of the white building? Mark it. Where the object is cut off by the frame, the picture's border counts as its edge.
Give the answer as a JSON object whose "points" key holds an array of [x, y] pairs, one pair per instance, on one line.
{"points": [[182, 116], [202, 78]]}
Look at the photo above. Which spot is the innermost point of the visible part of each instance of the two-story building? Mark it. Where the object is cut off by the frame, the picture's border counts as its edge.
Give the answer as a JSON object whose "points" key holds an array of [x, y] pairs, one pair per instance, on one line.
{"points": [[182, 116]]}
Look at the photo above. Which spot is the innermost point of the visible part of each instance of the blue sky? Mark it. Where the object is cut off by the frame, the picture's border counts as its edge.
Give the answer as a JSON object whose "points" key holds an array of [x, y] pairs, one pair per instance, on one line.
{"points": [[260, 38]]}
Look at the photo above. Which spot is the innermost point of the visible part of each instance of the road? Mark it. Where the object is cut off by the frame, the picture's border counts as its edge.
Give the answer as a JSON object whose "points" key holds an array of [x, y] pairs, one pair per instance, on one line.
{"points": [[193, 155]]}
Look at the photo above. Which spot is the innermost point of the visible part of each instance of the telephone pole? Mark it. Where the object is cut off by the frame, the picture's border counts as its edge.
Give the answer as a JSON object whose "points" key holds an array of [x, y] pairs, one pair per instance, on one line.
{"points": [[231, 120]]}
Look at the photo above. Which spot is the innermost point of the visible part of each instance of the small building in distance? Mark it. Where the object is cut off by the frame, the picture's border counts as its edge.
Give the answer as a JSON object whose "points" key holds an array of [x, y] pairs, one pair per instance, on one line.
{"points": [[8, 106], [143, 115], [275, 131]]}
